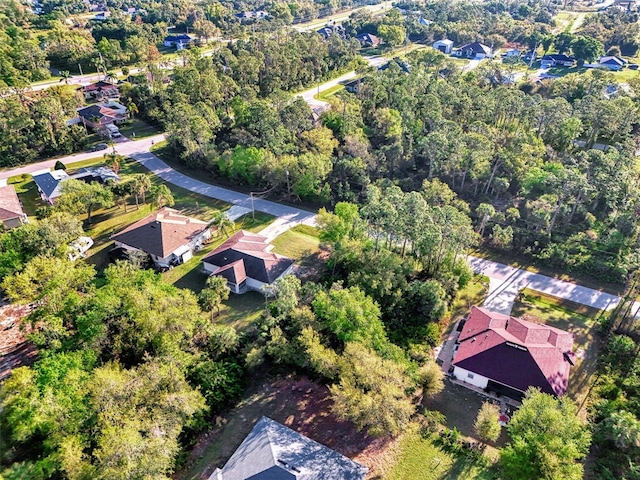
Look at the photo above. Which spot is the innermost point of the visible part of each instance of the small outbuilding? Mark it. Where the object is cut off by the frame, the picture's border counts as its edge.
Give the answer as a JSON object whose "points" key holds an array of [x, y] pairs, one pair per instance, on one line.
{"points": [[445, 46]]}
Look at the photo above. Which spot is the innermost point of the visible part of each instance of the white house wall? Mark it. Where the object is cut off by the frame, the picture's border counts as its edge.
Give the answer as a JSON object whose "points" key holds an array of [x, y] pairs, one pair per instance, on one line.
{"points": [[470, 377], [254, 284]]}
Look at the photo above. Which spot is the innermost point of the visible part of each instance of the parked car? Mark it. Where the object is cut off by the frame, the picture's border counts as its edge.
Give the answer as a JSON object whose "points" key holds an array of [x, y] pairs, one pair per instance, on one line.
{"points": [[99, 146]]}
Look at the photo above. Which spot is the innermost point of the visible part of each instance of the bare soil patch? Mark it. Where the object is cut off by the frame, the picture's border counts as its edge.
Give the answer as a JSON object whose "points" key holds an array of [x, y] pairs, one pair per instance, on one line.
{"points": [[15, 350], [297, 402]]}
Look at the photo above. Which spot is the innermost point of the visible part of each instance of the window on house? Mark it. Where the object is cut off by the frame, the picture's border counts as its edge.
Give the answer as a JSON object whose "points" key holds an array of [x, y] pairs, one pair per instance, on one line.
{"points": [[469, 375]]}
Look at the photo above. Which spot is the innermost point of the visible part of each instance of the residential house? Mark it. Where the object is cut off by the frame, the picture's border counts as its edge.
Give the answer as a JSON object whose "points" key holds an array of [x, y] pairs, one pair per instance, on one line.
{"points": [[512, 53], [246, 261], [354, 85], [100, 115], [102, 16], [249, 16], [474, 50], [424, 21], [611, 63], [49, 184], [179, 42], [556, 60], [329, 30], [369, 40], [100, 91], [11, 213], [531, 55], [508, 355], [445, 46], [272, 451], [404, 66], [169, 237]]}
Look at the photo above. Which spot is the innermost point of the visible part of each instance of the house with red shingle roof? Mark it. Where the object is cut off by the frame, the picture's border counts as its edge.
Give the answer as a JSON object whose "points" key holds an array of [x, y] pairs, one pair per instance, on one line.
{"points": [[246, 262], [100, 90], [11, 214], [507, 355], [166, 235]]}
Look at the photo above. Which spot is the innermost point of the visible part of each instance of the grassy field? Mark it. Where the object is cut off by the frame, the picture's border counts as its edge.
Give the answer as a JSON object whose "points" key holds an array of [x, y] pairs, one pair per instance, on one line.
{"points": [[140, 128], [329, 92], [241, 311], [419, 458], [28, 193], [576, 319], [297, 243]]}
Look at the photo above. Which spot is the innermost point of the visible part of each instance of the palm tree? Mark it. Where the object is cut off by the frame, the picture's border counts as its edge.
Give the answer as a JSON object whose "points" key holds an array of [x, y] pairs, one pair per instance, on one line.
{"points": [[162, 196], [65, 76], [222, 223], [113, 161], [141, 185], [110, 77], [133, 109]]}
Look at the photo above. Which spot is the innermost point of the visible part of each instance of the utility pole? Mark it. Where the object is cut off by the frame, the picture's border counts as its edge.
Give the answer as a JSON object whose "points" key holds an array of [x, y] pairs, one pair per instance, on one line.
{"points": [[288, 185], [80, 68]]}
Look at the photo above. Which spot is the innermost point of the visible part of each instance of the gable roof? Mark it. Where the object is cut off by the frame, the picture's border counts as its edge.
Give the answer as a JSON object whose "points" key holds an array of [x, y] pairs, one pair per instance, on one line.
{"points": [[369, 37], [612, 60], [178, 38], [515, 352], [444, 41], [253, 251], [557, 57], [98, 86], [49, 182], [477, 47], [10, 206], [272, 451], [161, 233], [102, 113]]}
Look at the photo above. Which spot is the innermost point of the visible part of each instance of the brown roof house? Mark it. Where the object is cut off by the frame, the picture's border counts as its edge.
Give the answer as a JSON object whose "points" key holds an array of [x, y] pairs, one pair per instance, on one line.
{"points": [[11, 214], [100, 90], [246, 261], [272, 451], [167, 236], [100, 115], [508, 355]]}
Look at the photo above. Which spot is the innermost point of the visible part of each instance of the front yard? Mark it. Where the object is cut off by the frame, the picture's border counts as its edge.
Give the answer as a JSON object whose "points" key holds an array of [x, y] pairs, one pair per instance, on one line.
{"points": [[576, 319]]}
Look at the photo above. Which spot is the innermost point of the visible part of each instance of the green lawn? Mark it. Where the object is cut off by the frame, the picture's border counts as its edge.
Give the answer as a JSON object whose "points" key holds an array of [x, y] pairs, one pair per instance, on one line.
{"points": [[251, 224], [140, 128], [241, 311], [28, 193], [329, 92], [296, 243], [419, 458], [576, 319]]}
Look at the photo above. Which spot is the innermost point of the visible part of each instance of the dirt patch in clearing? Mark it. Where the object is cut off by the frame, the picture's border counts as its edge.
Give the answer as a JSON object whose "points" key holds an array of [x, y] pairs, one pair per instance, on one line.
{"points": [[297, 402], [15, 350]]}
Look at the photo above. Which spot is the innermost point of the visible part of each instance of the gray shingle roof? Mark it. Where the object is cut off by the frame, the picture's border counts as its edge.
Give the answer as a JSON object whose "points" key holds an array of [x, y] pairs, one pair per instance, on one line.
{"points": [[272, 451]]}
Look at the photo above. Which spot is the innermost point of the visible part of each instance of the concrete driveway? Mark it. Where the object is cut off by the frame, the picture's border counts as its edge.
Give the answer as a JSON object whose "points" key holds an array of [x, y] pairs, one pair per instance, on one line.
{"points": [[506, 282]]}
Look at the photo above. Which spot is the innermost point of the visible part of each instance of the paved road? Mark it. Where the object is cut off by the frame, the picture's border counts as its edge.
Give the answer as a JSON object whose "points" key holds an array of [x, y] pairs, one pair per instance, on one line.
{"points": [[506, 282], [308, 95], [291, 215], [125, 148]]}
